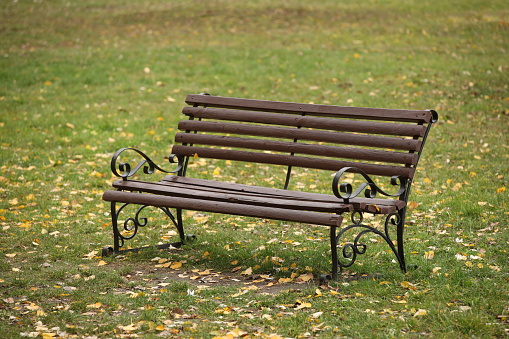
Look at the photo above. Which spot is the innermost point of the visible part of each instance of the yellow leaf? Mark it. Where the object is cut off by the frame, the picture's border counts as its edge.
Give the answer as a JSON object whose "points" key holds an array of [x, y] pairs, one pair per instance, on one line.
{"points": [[429, 255], [457, 187], [71, 126], [501, 190], [284, 280], [248, 271], [420, 313], [129, 328], [175, 265], [304, 277], [412, 205], [160, 328], [96, 305], [406, 284], [495, 268], [217, 171], [102, 263], [13, 201], [300, 305]]}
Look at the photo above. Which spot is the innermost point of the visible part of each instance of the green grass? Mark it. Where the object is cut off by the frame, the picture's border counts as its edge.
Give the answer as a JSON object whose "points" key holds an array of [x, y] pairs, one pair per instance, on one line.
{"points": [[78, 80]]}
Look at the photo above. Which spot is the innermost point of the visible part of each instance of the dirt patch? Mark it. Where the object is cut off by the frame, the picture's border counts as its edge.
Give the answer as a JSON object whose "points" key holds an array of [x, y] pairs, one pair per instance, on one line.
{"points": [[209, 278], [161, 277]]}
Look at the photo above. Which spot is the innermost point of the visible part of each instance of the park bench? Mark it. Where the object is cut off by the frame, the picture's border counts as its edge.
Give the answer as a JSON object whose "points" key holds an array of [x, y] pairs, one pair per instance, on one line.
{"points": [[368, 143]]}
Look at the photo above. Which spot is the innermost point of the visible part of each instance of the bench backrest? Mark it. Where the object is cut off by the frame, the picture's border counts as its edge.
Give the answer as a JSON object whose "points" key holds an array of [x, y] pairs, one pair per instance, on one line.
{"points": [[386, 142]]}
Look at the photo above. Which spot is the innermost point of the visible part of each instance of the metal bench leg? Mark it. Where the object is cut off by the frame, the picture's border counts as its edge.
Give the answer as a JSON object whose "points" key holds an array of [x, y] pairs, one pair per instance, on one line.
{"points": [[334, 248], [334, 252], [129, 228]]}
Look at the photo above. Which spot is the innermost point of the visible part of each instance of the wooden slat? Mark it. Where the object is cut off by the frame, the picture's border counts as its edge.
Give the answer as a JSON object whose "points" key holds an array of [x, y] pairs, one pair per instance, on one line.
{"points": [[301, 134], [257, 199], [344, 125], [391, 205], [289, 160], [205, 184], [298, 148], [311, 109], [224, 207]]}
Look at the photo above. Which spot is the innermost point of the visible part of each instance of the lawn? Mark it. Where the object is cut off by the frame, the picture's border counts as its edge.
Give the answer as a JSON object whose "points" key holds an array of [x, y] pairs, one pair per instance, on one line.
{"points": [[80, 79]]}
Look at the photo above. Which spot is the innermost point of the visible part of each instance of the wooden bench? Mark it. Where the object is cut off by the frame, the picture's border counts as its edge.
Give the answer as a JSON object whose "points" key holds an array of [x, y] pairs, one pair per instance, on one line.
{"points": [[382, 143]]}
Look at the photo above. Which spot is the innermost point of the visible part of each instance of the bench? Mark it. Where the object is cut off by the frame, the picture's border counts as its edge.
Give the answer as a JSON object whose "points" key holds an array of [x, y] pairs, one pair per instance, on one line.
{"points": [[369, 143]]}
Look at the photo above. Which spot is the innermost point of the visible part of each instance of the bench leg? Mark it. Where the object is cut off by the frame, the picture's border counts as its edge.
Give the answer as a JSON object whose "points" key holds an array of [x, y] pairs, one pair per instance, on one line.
{"points": [[128, 229], [349, 251]]}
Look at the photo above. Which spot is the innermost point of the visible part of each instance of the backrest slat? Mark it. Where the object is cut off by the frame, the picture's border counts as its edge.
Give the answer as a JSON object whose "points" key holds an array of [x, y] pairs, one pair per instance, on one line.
{"points": [[289, 160], [300, 134], [298, 148], [344, 125], [311, 109]]}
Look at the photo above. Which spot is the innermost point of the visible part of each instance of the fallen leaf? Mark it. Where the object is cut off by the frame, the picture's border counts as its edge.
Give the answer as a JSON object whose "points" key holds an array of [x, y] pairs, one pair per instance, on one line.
{"points": [[299, 305], [429, 255], [248, 271], [175, 265], [304, 278], [96, 305], [420, 313]]}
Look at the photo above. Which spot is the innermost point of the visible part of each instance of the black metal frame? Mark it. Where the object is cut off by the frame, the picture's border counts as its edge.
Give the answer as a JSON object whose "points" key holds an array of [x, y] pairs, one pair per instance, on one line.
{"points": [[128, 229]]}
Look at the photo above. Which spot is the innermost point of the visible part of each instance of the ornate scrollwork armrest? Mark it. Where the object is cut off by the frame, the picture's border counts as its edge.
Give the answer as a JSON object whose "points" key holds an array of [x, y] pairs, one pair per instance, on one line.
{"points": [[124, 170], [345, 190]]}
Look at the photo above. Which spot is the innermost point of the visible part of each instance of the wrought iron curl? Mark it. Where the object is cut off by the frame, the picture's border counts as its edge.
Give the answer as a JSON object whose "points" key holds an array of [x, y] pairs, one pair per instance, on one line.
{"points": [[351, 250], [131, 225], [124, 170], [346, 192]]}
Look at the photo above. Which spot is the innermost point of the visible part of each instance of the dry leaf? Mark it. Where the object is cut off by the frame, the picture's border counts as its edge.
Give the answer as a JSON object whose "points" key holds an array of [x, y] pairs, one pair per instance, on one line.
{"points": [[248, 271], [429, 255], [175, 265], [420, 313]]}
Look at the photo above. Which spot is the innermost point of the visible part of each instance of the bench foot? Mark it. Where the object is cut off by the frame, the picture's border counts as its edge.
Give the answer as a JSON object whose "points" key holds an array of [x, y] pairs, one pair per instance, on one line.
{"points": [[325, 278], [107, 251]]}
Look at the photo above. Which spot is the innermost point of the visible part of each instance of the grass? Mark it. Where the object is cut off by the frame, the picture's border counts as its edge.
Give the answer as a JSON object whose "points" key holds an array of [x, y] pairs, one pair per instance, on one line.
{"points": [[79, 80]]}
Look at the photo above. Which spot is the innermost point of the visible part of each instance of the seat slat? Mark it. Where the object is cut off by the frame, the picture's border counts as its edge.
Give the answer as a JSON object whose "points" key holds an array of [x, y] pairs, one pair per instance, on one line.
{"points": [[292, 147], [357, 126], [289, 160], [219, 186], [316, 218], [278, 201], [301, 134], [311, 109]]}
